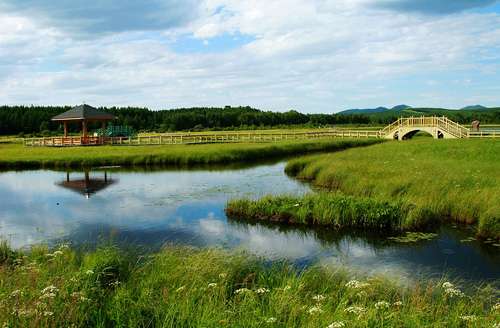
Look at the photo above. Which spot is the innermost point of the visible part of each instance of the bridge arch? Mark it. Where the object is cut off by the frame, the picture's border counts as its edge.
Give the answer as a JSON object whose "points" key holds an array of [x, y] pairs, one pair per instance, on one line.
{"points": [[410, 133]]}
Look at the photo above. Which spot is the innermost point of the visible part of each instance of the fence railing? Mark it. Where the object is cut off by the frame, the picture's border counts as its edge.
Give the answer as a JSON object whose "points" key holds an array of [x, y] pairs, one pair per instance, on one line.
{"points": [[175, 139]]}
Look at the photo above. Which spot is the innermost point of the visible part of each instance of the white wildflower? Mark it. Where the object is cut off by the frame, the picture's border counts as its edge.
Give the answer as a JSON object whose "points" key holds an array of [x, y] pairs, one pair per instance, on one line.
{"points": [[355, 309], [382, 305], [57, 253], [15, 293], [212, 285], [336, 324], [315, 309], [454, 292], [398, 303], [319, 298], [180, 289], [468, 318], [50, 289], [296, 205], [47, 295], [89, 272], [271, 320], [357, 284], [262, 290], [48, 314], [496, 307], [115, 283], [242, 291], [447, 285]]}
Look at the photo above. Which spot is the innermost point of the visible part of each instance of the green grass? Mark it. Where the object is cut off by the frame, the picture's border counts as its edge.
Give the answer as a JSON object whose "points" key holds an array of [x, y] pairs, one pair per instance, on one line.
{"points": [[185, 287], [335, 210], [17, 156], [446, 180]]}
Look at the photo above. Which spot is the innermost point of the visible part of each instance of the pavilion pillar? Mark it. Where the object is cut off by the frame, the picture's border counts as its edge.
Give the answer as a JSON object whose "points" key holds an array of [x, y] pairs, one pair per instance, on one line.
{"points": [[84, 129], [65, 129]]}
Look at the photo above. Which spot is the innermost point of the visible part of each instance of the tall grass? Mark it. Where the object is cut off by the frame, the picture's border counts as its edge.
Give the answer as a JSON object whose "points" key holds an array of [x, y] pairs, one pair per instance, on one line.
{"points": [[334, 210], [446, 180], [17, 156], [185, 287]]}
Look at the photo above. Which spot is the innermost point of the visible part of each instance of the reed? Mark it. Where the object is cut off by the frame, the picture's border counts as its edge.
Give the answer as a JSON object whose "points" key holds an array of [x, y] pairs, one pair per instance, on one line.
{"points": [[187, 287]]}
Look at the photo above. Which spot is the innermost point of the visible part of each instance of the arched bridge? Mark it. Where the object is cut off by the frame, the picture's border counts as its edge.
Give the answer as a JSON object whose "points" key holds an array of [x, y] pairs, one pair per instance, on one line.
{"points": [[438, 127]]}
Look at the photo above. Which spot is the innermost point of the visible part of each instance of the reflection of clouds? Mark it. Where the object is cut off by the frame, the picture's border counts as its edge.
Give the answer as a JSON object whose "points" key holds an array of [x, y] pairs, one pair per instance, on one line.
{"points": [[29, 211], [272, 244], [212, 226]]}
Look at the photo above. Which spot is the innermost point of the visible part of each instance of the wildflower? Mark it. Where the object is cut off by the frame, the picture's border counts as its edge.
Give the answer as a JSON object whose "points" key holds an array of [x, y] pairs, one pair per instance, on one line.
{"points": [[115, 283], [84, 299], [362, 294], [468, 318], [271, 320], [57, 253], [355, 309], [89, 272], [180, 289], [50, 289], [212, 285], [262, 290], [242, 291], [223, 275], [496, 307], [336, 324], [16, 293], [382, 305], [397, 304], [296, 205], [48, 314], [314, 310], [319, 298], [47, 295], [356, 284], [454, 292], [447, 285]]}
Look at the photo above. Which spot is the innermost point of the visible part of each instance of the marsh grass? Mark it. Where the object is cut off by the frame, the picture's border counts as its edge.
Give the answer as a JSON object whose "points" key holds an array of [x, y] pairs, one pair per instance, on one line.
{"points": [[17, 156], [334, 210], [187, 287], [445, 180]]}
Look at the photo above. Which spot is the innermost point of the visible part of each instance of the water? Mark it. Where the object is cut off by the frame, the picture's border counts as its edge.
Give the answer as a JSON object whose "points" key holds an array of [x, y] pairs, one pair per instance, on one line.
{"points": [[153, 208]]}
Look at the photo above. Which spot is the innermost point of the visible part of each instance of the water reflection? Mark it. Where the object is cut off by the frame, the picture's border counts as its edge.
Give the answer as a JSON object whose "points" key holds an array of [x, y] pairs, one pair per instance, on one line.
{"points": [[151, 208], [86, 186]]}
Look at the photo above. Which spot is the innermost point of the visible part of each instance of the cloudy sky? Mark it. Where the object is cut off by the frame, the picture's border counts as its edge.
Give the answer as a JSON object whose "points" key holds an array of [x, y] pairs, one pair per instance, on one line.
{"points": [[308, 55]]}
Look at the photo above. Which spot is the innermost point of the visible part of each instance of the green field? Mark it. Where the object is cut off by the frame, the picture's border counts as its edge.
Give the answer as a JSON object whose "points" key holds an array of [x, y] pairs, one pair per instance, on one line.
{"points": [[181, 287], [19, 156], [428, 181]]}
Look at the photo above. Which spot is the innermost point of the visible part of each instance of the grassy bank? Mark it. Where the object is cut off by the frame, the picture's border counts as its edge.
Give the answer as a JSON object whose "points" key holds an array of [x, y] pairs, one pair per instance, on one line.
{"points": [[17, 156], [335, 210], [454, 180], [180, 287]]}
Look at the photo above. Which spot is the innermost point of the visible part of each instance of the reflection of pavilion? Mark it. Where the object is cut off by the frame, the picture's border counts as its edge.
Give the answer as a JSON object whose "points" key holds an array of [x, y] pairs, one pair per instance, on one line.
{"points": [[87, 186]]}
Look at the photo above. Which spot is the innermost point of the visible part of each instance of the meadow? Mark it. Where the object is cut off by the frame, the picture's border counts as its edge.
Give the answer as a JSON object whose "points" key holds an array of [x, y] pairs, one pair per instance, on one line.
{"points": [[17, 156], [188, 287], [427, 181]]}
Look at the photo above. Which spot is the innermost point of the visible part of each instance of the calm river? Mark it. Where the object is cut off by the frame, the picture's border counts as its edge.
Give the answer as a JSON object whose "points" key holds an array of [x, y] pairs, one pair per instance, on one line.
{"points": [[153, 208]]}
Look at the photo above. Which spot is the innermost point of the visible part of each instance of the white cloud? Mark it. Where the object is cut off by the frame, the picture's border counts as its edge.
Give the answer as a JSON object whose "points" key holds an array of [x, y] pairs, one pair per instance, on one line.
{"points": [[310, 55]]}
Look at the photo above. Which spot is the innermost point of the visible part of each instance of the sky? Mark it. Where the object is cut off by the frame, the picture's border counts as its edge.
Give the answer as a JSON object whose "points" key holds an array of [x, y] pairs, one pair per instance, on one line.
{"points": [[314, 56]]}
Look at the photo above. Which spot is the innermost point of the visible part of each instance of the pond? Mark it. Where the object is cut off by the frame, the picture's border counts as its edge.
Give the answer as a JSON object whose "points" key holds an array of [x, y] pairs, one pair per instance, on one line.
{"points": [[186, 207]]}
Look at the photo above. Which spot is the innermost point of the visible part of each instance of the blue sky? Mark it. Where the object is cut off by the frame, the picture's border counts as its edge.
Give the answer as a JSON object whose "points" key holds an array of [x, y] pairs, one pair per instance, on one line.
{"points": [[308, 55]]}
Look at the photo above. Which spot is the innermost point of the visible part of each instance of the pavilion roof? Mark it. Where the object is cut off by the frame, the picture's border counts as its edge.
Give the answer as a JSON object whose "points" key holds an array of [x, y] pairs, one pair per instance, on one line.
{"points": [[84, 112]]}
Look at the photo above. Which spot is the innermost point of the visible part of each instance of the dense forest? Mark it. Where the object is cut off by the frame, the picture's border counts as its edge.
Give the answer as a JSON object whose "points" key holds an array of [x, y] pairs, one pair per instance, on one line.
{"points": [[16, 120]]}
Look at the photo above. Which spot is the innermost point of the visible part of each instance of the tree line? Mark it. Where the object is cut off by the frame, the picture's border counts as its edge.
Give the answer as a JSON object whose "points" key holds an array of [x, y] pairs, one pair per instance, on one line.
{"points": [[15, 120], [36, 119]]}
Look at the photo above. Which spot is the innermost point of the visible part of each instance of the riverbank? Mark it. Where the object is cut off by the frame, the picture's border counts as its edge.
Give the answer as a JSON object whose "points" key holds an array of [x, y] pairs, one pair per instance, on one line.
{"points": [[15, 156], [428, 181], [186, 287]]}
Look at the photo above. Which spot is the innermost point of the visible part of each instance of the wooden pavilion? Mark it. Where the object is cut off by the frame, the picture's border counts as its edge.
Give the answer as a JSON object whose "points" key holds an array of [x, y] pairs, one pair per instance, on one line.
{"points": [[84, 114]]}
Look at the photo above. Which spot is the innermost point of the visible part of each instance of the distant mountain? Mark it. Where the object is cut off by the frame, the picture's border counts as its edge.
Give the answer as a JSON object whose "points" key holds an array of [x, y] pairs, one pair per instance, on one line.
{"points": [[373, 110], [474, 107]]}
